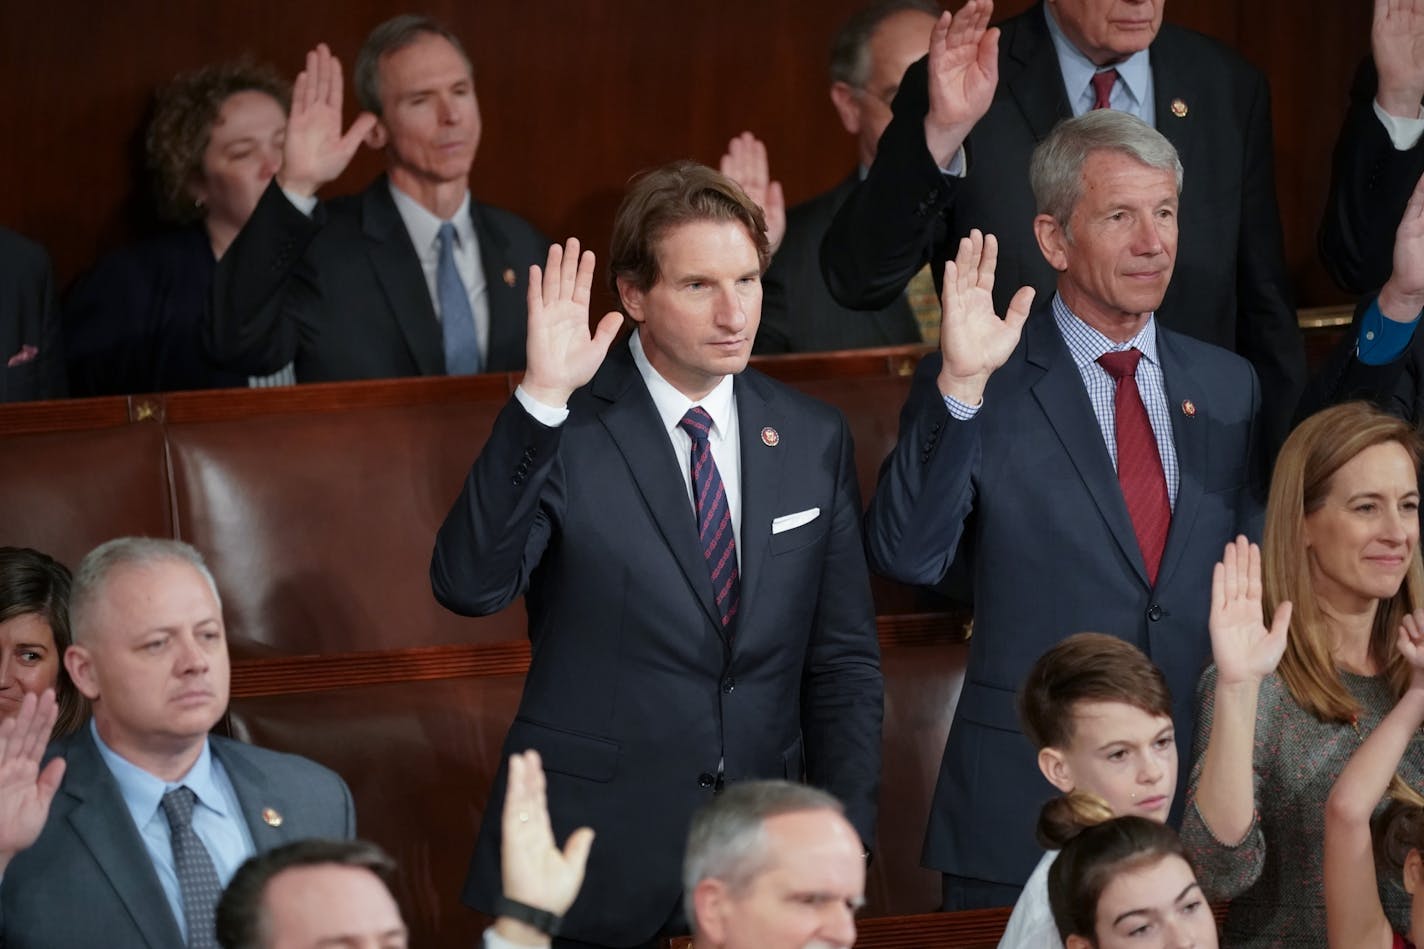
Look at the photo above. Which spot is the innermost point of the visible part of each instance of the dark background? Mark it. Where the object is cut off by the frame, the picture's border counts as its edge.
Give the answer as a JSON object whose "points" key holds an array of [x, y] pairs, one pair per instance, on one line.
{"points": [[576, 95]]}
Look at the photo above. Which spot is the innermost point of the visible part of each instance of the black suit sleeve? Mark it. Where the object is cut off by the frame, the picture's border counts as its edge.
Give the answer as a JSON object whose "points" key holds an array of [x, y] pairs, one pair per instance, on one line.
{"points": [[261, 287], [29, 317], [1267, 331], [842, 695], [1370, 183], [495, 535], [894, 221]]}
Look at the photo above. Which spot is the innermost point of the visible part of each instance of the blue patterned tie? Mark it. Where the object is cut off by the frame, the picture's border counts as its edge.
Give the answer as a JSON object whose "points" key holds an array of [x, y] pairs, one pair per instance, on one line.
{"points": [[197, 878], [714, 516], [457, 320]]}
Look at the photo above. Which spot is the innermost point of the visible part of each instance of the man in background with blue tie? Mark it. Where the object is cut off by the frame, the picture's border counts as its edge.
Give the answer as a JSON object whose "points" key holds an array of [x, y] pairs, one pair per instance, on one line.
{"points": [[967, 117], [128, 834], [686, 535], [410, 277], [1087, 463]]}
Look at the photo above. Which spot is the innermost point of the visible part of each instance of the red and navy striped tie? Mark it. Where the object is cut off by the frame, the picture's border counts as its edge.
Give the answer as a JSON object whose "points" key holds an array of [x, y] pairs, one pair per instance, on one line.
{"points": [[714, 517]]}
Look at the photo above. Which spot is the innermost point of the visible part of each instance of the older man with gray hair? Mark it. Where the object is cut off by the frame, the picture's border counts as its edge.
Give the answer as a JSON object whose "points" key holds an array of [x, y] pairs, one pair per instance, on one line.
{"points": [[1088, 463], [126, 836]]}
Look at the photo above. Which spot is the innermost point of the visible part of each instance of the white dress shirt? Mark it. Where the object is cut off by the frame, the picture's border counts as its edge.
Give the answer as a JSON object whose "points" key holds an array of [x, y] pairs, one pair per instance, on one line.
{"points": [[672, 405]]}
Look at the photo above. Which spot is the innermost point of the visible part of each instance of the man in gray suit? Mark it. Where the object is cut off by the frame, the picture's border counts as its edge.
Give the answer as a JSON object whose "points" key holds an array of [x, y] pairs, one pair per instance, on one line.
{"points": [[127, 835]]}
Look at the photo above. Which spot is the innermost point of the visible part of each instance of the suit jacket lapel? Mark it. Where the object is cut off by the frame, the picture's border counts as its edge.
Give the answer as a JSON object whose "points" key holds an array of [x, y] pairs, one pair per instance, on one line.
{"points": [[1065, 402], [632, 422], [504, 290], [102, 822], [760, 478], [1037, 72], [1172, 80], [1191, 435], [397, 267], [263, 805]]}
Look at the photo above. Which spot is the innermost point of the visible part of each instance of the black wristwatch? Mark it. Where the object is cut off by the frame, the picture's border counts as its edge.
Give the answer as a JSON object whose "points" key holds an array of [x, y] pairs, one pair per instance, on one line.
{"points": [[541, 919]]}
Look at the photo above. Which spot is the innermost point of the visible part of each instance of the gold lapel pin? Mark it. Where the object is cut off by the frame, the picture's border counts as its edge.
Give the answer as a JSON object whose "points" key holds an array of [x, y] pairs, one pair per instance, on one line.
{"points": [[769, 437], [1189, 408], [1179, 108], [271, 817], [509, 277]]}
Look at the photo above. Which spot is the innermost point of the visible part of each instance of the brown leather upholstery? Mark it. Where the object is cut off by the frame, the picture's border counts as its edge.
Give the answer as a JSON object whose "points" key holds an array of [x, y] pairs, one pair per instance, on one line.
{"points": [[333, 553], [66, 492]]}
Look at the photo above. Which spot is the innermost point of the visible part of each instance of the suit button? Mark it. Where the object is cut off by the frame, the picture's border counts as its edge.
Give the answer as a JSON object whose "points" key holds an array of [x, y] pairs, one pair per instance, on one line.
{"points": [[705, 780], [529, 454], [517, 479], [933, 195], [1154, 612], [728, 685]]}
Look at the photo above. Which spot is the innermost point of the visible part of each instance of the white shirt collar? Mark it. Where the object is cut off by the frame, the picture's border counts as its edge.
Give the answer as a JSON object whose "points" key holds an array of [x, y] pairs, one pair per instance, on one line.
{"points": [[672, 405], [424, 227]]}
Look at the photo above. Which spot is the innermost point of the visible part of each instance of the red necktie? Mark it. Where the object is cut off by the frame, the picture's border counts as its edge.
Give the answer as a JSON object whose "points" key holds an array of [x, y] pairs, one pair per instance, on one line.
{"points": [[714, 516], [1139, 465], [1102, 88]]}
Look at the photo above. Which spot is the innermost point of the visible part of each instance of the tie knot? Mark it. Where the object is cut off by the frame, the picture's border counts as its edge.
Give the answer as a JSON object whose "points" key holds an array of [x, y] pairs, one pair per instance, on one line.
{"points": [[448, 238], [697, 423], [178, 806], [1103, 83], [1122, 364]]}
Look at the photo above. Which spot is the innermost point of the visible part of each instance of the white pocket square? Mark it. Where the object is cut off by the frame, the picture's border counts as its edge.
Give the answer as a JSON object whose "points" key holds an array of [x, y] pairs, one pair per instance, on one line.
{"points": [[788, 522]]}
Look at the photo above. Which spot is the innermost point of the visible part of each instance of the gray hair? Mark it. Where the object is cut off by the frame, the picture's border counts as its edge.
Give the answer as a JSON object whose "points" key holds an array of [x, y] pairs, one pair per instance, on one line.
{"points": [[395, 34], [850, 48], [96, 566], [727, 840], [1056, 170]]}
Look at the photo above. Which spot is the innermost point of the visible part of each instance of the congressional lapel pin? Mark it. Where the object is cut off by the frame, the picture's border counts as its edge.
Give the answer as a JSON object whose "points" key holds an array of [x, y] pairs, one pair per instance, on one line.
{"points": [[1189, 408], [1179, 108], [769, 437], [509, 276], [271, 817]]}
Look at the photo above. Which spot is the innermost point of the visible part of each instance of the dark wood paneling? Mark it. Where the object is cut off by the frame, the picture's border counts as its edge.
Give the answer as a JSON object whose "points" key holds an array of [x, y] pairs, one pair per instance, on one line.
{"points": [[576, 96]]}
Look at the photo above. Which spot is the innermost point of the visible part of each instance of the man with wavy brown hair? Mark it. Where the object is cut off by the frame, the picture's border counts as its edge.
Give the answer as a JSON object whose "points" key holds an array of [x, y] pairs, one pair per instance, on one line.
{"points": [[685, 533]]}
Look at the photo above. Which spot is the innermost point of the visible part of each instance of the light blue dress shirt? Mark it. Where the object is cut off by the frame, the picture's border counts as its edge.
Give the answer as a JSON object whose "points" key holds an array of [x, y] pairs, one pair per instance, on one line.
{"points": [[217, 817]]}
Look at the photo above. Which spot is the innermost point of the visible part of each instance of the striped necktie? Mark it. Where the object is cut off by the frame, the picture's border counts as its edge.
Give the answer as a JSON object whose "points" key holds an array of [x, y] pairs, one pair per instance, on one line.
{"points": [[714, 516]]}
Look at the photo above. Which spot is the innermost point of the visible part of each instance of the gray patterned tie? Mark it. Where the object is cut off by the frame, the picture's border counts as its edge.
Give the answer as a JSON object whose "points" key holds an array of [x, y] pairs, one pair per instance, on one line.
{"points": [[197, 878], [457, 318]]}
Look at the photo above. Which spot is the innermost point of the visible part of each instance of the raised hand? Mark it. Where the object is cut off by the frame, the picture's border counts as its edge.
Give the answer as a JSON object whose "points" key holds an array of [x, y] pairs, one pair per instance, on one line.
{"points": [[315, 151], [1397, 41], [25, 790], [534, 871], [560, 353], [972, 339], [746, 163], [1411, 646], [1242, 647], [963, 72], [1402, 296]]}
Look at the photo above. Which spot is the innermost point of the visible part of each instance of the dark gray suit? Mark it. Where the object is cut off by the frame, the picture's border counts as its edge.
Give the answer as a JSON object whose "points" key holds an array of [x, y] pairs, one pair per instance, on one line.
{"points": [[798, 313], [1027, 489], [342, 293], [88, 880]]}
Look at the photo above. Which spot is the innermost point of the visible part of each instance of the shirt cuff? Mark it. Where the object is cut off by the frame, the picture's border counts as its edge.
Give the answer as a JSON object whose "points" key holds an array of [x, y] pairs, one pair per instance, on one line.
{"points": [[958, 166], [493, 940], [1404, 133], [1381, 339], [305, 203], [960, 410], [543, 414]]}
